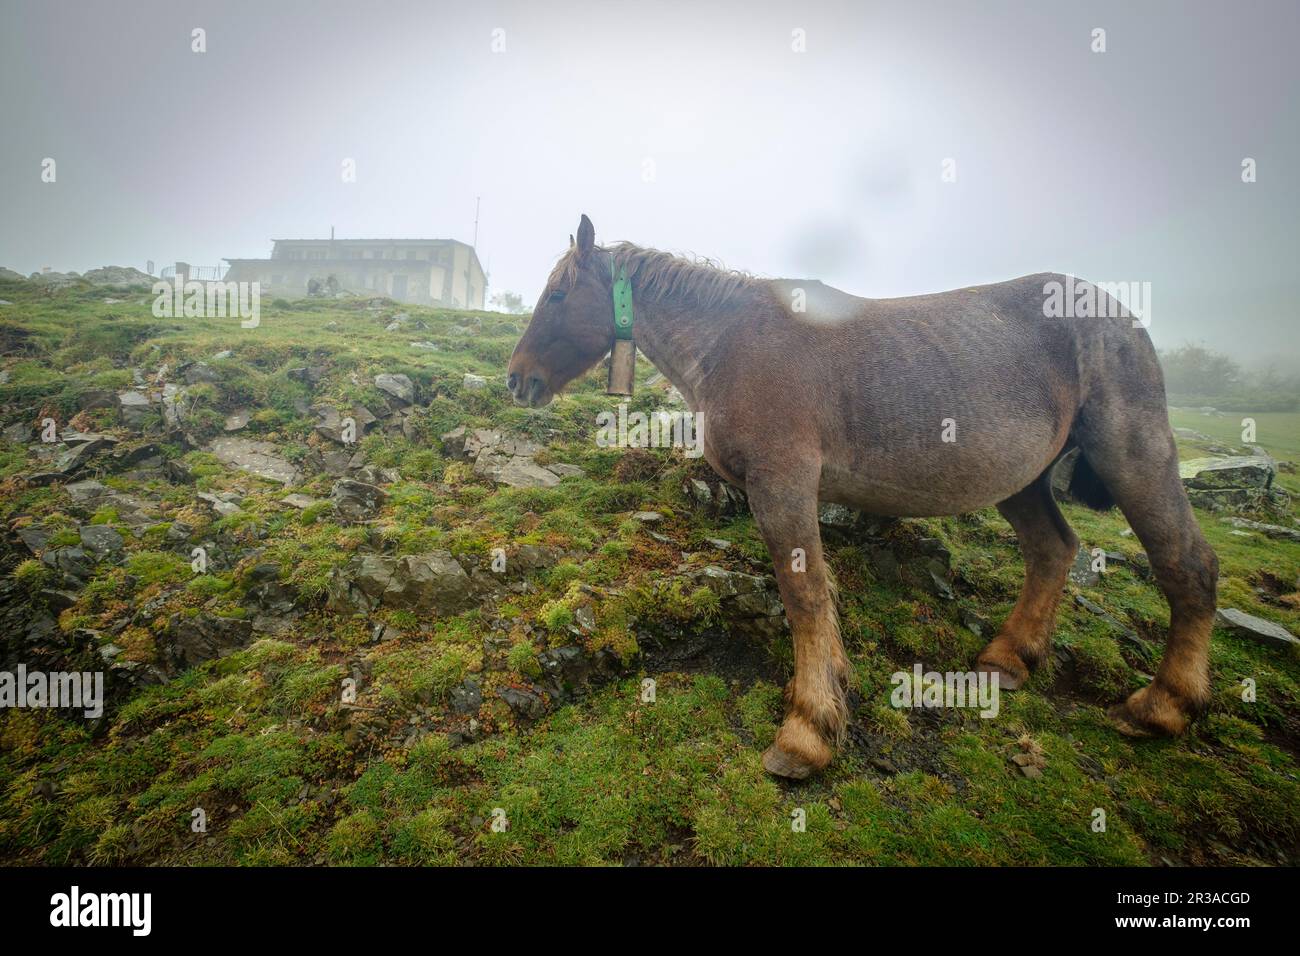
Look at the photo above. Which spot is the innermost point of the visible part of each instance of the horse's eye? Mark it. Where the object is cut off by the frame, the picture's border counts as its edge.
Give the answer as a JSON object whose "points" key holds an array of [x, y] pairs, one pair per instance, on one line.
{"points": [[556, 296]]}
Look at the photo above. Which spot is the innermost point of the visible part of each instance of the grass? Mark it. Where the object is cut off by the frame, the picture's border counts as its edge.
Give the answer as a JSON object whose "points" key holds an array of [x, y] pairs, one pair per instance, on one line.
{"points": [[282, 767]]}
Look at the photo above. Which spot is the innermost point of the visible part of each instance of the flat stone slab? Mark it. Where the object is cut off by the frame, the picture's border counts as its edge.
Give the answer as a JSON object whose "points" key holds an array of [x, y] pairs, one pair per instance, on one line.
{"points": [[1238, 471], [260, 458], [1255, 628], [299, 500]]}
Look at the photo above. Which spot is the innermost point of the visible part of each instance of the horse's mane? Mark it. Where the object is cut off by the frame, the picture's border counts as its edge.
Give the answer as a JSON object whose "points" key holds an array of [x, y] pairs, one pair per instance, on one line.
{"points": [[656, 274]]}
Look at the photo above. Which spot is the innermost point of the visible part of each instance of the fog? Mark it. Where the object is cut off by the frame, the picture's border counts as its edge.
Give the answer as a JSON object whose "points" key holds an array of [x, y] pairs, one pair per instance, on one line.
{"points": [[691, 127]]}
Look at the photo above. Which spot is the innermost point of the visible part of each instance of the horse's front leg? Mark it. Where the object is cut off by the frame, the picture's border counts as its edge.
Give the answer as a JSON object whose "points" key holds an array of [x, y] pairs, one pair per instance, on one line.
{"points": [[785, 508]]}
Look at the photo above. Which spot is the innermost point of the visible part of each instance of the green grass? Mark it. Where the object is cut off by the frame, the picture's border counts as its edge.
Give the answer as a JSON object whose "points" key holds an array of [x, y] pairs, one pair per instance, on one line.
{"points": [[286, 770]]}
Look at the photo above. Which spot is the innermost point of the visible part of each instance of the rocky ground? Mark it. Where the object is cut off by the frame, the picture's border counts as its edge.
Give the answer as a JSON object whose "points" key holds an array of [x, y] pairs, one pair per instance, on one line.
{"points": [[355, 607]]}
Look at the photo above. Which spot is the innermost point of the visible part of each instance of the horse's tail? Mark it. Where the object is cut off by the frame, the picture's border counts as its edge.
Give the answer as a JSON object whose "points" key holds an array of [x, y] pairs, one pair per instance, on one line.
{"points": [[1086, 486]]}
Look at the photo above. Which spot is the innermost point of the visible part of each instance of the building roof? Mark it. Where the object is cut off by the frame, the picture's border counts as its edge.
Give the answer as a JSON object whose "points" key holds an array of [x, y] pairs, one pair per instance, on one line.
{"points": [[424, 241], [427, 242]]}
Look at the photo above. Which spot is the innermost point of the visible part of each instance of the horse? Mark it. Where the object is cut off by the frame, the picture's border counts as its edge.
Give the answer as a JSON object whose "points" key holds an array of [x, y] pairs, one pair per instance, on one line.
{"points": [[934, 404]]}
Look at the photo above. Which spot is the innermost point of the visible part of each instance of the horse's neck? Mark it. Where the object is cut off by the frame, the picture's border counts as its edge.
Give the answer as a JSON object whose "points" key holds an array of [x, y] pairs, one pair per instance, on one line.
{"points": [[679, 340]]}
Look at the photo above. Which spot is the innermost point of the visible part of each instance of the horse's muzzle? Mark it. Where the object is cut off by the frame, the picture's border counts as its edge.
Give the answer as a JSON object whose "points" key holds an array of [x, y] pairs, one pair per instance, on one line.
{"points": [[526, 390]]}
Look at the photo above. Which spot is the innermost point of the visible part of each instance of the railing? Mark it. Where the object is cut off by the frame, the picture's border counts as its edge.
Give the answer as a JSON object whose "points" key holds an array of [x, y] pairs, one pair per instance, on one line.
{"points": [[198, 273]]}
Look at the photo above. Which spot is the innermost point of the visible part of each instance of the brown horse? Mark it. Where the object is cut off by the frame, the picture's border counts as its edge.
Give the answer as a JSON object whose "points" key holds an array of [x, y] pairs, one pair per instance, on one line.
{"points": [[928, 405]]}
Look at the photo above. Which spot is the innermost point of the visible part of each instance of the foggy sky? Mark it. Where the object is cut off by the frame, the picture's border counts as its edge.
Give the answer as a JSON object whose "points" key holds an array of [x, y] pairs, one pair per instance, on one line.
{"points": [[1115, 166]]}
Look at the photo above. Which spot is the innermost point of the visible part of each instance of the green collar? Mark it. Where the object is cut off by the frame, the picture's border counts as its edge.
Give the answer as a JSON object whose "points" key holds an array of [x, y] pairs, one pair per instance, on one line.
{"points": [[623, 313]]}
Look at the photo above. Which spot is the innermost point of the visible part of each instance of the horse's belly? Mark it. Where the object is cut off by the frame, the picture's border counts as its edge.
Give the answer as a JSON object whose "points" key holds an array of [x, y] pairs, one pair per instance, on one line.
{"points": [[918, 493]]}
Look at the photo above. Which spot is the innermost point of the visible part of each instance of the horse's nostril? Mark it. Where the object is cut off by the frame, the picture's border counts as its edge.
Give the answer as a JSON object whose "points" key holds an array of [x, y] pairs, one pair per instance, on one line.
{"points": [[512, 380]]}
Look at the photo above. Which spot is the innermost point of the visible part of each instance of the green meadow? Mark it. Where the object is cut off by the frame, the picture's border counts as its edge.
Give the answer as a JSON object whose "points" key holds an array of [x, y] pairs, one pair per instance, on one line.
{"points": [[286, 771]]}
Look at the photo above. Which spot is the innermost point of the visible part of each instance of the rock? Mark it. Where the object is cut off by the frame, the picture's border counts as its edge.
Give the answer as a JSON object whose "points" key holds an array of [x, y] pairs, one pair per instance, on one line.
{"points": [[269, 595], [140, 458], [647, 517], [399, 387], [1238, 499], [934, 548], [199, 372], [259, 458], [466, 697], [34, 538], [1063, 473], [238, 419], [100, 540], [225, 508], [336, 462], [566, 669], [432, 581], [76, 457], [884, 564], [1271, 530], [174, 406], [471, 445], [1255, 628], [134, 407], [364, 418], [937, 579], [524, 704], [1125, 632], [73, 562], [131, 510], [699, 492], [837, 516], [356, 500], [504, 459], [302, 374], [377, 476], [192, 640], [474, 383], [93, 398], [530, 558], [1242, 471], [748, 603], [722, 544], [974, 622], [85, 492], [299, 501], [73, 458], [563, 470], [19, 433], [516, 472], [721, 501], [330, 424], [1081, 572], [118, 277]]}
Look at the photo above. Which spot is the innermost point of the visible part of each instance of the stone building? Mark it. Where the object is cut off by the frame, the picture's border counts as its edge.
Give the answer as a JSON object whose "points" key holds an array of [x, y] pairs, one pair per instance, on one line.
{"points": [[427, 271]]}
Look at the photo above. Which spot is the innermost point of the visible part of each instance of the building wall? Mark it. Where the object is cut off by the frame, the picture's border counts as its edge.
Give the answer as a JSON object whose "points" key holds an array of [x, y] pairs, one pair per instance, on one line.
{"points": [[438, 272]]}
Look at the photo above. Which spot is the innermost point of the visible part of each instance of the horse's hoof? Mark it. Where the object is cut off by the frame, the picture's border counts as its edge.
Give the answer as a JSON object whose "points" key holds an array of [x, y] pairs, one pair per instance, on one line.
{"points": [[1006, 679], [781, 764], [1149, 712], [1120, 719], [1000, 658], [797, 752]]}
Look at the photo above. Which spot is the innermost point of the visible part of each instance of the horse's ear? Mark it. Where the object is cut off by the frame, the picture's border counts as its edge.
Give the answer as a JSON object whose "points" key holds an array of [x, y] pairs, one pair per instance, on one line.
{"points": [[586, 237]]}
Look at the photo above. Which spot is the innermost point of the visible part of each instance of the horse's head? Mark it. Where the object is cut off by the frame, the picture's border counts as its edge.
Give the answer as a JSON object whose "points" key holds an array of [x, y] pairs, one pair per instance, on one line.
{"points": [[572, 326]]}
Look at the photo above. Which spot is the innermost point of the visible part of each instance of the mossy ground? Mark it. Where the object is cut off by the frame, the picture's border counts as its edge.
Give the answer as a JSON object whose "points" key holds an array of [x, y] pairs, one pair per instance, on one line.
{"points": [[285, 774]]}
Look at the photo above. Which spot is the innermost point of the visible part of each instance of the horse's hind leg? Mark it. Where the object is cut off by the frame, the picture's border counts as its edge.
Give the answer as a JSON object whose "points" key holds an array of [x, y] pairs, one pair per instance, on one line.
{"points": [[784, 504], [1049, 547], [1132, 450]]}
